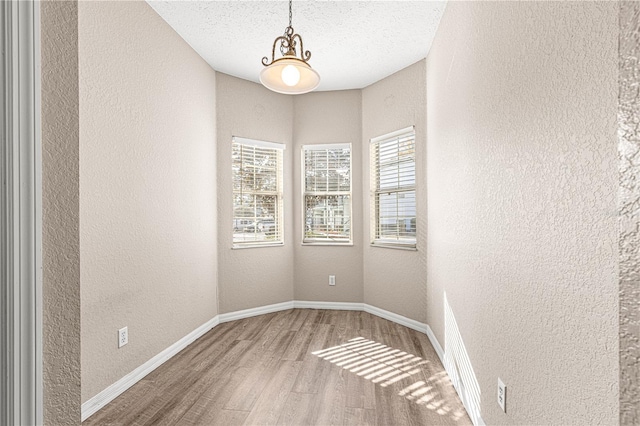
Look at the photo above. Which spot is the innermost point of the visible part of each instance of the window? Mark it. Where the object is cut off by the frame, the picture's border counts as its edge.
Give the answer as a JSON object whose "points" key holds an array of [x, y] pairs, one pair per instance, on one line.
{"points": [[257, 193], [327, 193], [393, 189]]}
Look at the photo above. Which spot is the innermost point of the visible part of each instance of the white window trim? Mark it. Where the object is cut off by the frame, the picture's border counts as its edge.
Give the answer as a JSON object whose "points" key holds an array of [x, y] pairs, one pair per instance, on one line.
{"points": [[258, 143], [382, 243], [322, 147], [391, 245], [392, 134], [270, 145], [256, 245], [21, 391]]}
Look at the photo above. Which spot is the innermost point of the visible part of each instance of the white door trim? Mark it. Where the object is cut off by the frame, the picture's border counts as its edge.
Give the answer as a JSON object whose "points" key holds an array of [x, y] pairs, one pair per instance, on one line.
{"points": [[21, 400]]}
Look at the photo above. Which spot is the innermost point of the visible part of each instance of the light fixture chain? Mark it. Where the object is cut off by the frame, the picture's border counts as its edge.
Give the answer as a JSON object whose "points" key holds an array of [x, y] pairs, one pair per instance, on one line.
{"points": [[290, 1]]}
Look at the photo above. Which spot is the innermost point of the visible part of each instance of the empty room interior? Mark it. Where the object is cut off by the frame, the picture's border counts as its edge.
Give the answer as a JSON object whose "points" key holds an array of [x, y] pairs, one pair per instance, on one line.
{"points": [[426, 214]]}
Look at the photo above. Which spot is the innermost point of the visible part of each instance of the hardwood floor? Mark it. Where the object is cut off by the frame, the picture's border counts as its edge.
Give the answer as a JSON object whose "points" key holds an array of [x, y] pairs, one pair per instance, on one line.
{"points": [[296, 367]]}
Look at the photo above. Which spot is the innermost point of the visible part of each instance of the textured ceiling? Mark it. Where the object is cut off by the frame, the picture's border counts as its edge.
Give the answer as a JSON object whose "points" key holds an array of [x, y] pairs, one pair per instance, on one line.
{"points": [[352, 43]]}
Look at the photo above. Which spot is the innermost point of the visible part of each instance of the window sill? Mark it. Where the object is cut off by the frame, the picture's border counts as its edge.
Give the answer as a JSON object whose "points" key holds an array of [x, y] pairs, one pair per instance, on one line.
{"points": [[395, 246], [248, 246], [328, 244]]}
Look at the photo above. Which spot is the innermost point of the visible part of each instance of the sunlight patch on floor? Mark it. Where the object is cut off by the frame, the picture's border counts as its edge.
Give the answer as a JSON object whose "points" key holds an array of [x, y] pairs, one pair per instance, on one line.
{"points": [[384, 366]]}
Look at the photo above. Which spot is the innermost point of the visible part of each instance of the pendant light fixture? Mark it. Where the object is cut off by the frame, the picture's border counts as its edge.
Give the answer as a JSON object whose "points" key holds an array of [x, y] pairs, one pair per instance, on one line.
{"points": [[289, 74]]}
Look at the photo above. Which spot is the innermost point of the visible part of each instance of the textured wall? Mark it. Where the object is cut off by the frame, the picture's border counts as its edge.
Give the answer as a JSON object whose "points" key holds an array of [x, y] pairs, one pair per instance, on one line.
{"points": [[522, 181], [395, 280], [60, 213], [148, 188], [629, 218], [252, 277], [328, 117]]}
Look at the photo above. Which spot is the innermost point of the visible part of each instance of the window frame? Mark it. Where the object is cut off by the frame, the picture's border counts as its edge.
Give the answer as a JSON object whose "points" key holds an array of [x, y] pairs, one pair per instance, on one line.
{"points": [[304, 192], [279, 193], [375, 240]]}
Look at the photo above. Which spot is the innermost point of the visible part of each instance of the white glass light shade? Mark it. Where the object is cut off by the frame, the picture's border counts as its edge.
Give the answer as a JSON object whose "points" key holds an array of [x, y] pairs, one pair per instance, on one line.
{"points": [[290, 75], [272, 78]]}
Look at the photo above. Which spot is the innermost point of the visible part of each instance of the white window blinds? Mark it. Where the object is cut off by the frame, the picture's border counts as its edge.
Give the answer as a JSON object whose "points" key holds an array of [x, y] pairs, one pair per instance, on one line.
{"points": [[327, 193], [393, 189], [257, 192]]}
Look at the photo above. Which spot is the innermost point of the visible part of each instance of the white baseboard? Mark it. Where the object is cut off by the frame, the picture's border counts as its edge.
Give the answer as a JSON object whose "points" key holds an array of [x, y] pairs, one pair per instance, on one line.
{"points": [[283, 306], [435, 344], [398, 319], [355, 306], [252, 312], [109, 394], [336, 306], [112, 392], [480, 422]]}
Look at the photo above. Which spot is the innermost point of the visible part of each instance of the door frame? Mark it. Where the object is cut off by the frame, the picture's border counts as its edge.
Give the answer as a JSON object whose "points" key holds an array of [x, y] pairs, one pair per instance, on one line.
{"points": [[21, 391]]}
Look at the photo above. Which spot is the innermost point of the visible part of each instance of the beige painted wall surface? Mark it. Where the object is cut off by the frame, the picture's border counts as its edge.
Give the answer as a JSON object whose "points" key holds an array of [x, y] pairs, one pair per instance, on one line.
{"points": [[321, 118], [60, 213], [252, 277], [148, 225], [395, 280], [629, 214], [522, 172]]}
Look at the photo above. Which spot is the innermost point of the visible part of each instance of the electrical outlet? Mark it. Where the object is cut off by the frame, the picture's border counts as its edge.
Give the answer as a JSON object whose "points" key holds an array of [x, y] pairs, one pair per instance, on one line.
{"points": [[332, 280], [123, 337], [502, 395]]}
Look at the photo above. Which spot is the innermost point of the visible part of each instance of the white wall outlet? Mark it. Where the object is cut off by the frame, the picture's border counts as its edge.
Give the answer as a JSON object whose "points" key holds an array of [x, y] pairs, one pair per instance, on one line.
{"points": [[123, 337], [332, 280], [502, 395]]}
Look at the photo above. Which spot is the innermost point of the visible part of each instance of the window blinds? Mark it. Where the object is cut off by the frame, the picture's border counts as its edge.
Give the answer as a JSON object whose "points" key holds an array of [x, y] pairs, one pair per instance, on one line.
{"points": [[393, 188], [257, 192], [327, 193]]}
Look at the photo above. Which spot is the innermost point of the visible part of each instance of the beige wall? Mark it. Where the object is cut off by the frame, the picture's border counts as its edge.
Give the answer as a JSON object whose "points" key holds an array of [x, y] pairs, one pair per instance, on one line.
{"points": [[60, 213], [629, 214], [148, 225], [394, 279], [252, 277], [320, 118], [255, 277], [522, 173]]}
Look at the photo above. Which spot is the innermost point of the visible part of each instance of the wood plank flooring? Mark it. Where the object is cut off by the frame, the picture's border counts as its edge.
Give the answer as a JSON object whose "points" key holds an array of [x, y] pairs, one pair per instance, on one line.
{"points": [[296, 367]]}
